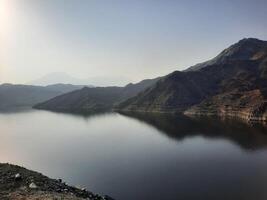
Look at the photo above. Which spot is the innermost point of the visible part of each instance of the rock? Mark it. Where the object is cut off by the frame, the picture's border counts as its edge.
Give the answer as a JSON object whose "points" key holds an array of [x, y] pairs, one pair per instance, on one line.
{"points": [[33, 186], [18, 177], [58, 190]]}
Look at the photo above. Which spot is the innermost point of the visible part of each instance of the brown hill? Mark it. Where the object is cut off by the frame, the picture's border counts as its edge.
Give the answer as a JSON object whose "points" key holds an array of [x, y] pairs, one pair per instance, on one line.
{"points": [[232, 84]]}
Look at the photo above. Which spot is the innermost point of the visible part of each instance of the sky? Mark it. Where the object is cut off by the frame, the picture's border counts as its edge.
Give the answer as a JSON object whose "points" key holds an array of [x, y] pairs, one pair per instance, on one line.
{"points": [[121, 39]]}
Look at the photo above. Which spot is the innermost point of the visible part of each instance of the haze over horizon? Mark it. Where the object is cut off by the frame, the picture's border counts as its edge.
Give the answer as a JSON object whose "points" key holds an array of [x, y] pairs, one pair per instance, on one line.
{"points": [[120, 39]]}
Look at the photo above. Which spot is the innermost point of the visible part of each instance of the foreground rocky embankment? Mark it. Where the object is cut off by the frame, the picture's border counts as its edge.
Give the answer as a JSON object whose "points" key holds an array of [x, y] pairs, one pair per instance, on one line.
{"points": [[18, 183]]}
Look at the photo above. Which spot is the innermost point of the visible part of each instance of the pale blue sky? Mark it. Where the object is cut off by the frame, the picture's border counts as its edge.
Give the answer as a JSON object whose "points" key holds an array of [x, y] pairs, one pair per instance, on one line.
{"points": [[135, 39]]}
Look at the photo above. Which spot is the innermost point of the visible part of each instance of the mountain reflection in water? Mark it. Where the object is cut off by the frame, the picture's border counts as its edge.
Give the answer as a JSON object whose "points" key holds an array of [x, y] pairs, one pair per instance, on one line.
{"points": [[142, 156], [179, 127]]}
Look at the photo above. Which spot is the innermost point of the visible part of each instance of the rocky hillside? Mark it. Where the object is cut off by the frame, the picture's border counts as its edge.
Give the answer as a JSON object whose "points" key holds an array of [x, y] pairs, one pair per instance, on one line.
{"points": [[94, 99], [83, 100], [17, 183], [245, 49], [232, 84]]}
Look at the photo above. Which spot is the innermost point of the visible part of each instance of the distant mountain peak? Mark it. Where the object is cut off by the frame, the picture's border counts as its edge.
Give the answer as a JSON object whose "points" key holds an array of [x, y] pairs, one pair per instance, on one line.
{"points": [[244, 49], [246, 43], [64, 78], [245, 40]]}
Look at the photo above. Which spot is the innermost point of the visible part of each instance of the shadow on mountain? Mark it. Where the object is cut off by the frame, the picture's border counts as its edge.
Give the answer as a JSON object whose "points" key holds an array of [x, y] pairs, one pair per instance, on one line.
{"points": [[180, 127]]}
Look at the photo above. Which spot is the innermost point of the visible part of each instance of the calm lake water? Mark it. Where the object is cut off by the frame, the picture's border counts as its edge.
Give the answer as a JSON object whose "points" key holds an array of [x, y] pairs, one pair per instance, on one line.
{"points": [[141, 157]]}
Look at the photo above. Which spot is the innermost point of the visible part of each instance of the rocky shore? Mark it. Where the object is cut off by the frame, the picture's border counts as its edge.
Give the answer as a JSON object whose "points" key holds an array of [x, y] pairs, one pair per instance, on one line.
{"points": [[250, 106], [18, 183]]}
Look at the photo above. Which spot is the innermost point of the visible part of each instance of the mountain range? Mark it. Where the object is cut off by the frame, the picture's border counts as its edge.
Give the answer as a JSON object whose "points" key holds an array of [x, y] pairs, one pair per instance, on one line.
{"points": [[64, 78], [28, 95], [234, 83], [95, 99]]}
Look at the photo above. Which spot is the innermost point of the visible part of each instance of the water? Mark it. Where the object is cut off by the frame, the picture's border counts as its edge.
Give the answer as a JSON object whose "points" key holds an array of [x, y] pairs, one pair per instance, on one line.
{"points": [[140, 156]]}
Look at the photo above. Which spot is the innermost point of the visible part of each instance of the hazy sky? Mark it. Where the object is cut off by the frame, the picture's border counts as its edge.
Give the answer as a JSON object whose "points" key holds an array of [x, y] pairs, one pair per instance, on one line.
{"points": [[135, 39]]}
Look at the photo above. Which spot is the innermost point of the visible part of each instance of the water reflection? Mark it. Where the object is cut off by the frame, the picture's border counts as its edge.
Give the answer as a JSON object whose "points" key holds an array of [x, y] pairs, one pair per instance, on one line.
{"points": [[140, 156], [179, 127], [84, 115]]}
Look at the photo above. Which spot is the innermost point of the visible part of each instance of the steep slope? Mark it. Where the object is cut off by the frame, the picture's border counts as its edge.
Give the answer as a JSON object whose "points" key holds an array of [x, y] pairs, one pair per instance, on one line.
{"points": [[132, 89], [83, 100], [245, 49], [65, 88], [243, 96], [27, 95], [240, 68], [94, 99]]}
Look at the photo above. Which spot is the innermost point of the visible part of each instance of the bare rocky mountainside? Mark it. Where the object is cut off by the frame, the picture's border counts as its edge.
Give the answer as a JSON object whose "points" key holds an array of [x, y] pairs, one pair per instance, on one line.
{"points": [[234, 83], [94, 99]]}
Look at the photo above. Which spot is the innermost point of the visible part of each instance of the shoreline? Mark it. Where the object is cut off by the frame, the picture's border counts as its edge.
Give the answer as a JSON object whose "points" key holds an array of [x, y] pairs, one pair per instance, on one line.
{"points": [[18, 183]]}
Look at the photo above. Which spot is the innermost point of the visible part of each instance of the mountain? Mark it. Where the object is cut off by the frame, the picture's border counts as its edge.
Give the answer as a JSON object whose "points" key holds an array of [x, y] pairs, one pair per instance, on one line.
{"points": [[94, 99], [245, 49], [61, 77], [83, 100], [64, 88], [28, 95], [234, 83]]}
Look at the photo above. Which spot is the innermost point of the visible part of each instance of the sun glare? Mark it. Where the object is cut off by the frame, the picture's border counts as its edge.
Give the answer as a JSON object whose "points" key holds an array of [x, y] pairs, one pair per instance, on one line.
{"points": [[3, 11], [5, 29], [5, 16]]}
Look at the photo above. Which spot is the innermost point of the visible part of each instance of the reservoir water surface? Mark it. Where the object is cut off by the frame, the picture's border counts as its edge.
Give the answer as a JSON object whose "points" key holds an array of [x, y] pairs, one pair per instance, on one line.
{"points": [[141, 156]]}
